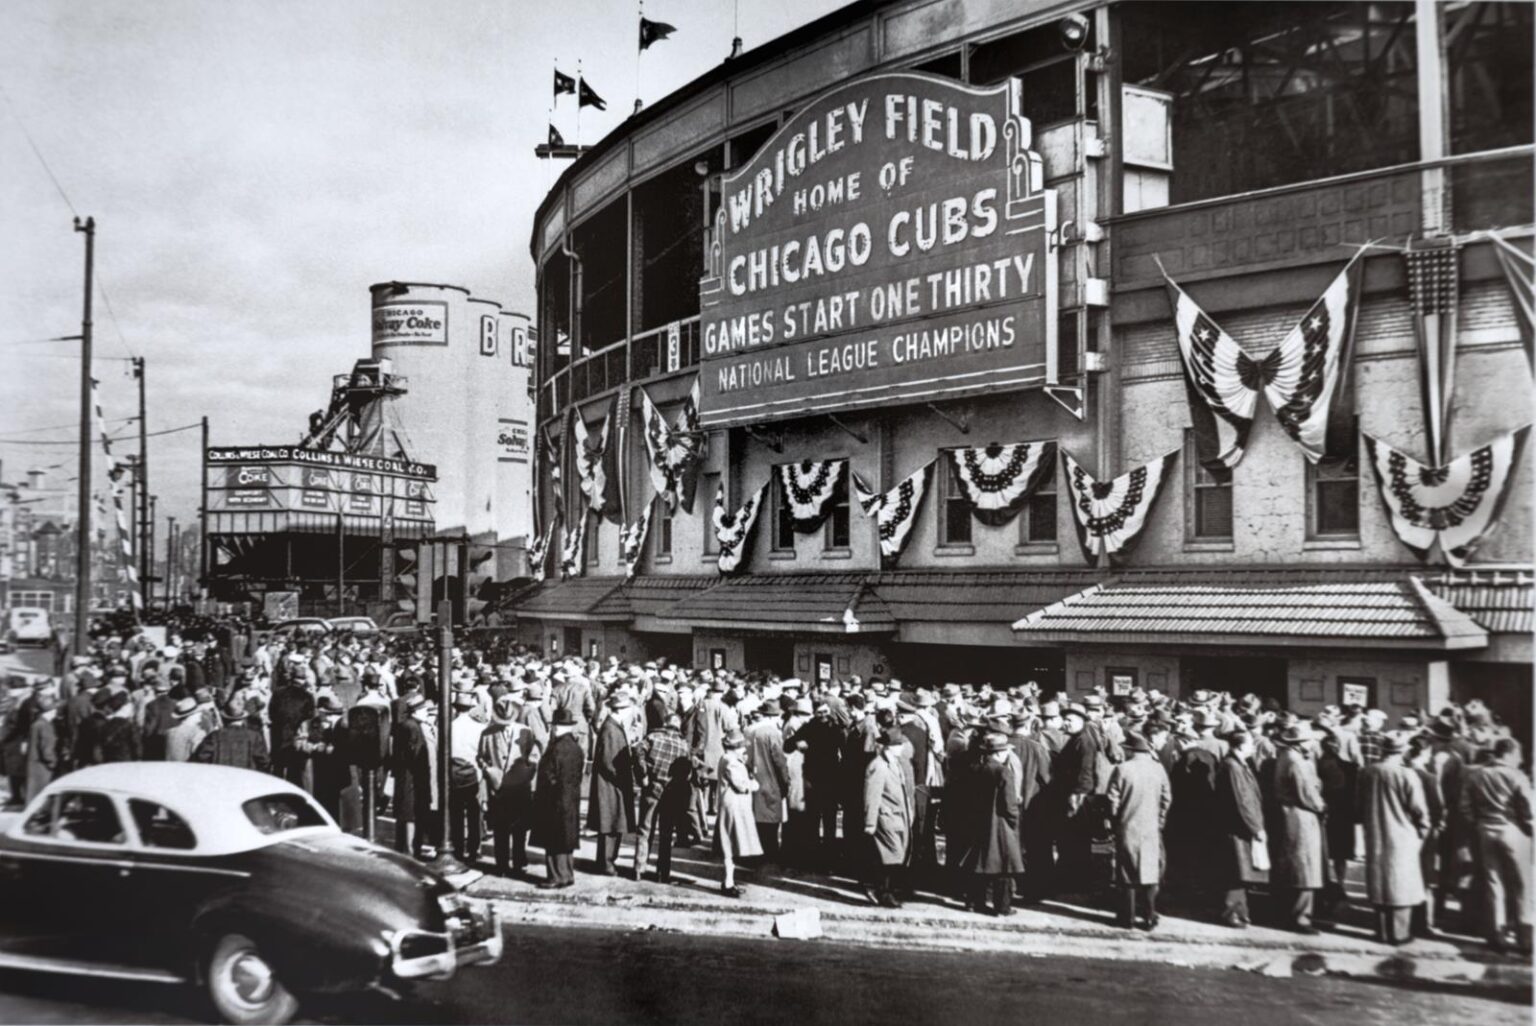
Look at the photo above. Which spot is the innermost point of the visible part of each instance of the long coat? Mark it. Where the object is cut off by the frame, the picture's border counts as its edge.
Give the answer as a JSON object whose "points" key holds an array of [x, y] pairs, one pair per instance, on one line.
{"points": [[1297, 847], [1240, 818], [1139, 797], [506, 760], [557, 797], [1396, 819], [888, 811], [42, 755], [411, 766], [991, 839], [735, 829], [765, 760], [611, 802]]}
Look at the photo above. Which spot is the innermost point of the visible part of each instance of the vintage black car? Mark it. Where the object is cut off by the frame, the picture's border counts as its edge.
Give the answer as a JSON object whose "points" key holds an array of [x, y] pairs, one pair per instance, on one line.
{"points": [[232, 879]]}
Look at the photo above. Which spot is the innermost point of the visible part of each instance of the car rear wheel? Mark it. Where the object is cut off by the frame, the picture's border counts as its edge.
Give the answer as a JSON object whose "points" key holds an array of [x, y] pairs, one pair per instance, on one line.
{"points": [[243, 987]]}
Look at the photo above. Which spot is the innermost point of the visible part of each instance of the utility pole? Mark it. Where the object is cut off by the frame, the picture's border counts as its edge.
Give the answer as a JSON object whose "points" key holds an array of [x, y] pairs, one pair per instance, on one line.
{"points": [[170, 563], [146, 531], [445, 863], [202, 516], [149, 549], [83, 516]]}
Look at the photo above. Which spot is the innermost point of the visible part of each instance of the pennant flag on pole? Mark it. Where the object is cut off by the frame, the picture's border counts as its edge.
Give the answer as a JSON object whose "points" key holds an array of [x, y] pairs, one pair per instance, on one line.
{"points": [[555, 138], [895, 511], [653, 31], [1457, 504], [564, 83], [585, 97], [1110, 514]]}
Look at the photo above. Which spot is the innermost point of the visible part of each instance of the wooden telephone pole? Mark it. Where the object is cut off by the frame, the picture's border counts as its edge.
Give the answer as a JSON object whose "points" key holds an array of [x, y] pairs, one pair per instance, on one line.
{"points": [[83, 516]]}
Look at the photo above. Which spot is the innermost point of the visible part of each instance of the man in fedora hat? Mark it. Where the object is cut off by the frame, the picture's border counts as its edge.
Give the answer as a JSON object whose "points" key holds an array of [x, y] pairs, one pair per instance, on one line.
{"points": [[413, 767], [464, 787], [1080, 774], [611, 801], [765, 761], [712, 721], [1296, 793], [237, 743], [320, 741], [666, 771], [557, 802], [985, 798], [42, 741], [1393, 810], [1495, 805], [1239, 811], [887, 817], [187, 732], [508, 760], [1139, 797]]}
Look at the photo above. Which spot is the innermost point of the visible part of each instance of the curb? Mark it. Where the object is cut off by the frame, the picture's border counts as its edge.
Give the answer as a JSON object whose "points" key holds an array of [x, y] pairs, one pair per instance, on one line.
{"points": [[919, 934]]}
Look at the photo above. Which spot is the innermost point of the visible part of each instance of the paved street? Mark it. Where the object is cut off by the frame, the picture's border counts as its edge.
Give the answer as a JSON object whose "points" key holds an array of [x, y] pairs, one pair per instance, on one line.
{"points": [[26, 660], [583, 976]]}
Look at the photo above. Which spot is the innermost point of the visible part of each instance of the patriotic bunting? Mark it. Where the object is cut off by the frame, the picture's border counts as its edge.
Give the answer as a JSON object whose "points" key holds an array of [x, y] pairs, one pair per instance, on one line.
{"points": [[538, 552], [1457, 504], [596, 463], [673, 455], [549, 453], [1305, 378], [808, 489], [1110, 514], [632, 541], [895, 511], [734, 530], [996, 479], [573, 549]]}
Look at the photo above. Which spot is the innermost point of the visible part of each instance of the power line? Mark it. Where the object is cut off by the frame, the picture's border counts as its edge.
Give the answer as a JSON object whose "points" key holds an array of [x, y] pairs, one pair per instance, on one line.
{"points": [[37, 152], [61, 427], [40, 341], [116, 438]]}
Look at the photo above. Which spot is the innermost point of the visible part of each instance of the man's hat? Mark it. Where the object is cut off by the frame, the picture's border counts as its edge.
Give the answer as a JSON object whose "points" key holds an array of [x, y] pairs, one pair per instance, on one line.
{"points": [[1093, 700], [621, 699], [1206, 720], [234, 711], [327, 704], [415, 700], [564, 718], [892, 737], [951, 690], [1202, 697], [1050, 709], [1297, 733], [771, 707], [1394, 744], [1134, 742], [735, 739], [995, 742], [1076, 710], [1442, 728], [465, 700], [803, 705], [102, 699], [184, 707], [505, 710]]}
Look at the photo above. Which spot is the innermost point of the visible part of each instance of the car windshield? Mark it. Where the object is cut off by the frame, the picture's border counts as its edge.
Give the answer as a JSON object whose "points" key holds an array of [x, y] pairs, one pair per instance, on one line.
{"points": [[279, 813]]}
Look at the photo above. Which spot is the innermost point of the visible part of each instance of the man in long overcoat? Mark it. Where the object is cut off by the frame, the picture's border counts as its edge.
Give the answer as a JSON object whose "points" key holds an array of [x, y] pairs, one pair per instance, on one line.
{"points": [[1239, 809], [887, 822], [766, 763], [1139, 797], [611, 802], [508, 759], [1076, 780], [413, 765], [991, 855], [1297, 857], [1034, 809], [1395, 815], [42, 744], [557, 802]]}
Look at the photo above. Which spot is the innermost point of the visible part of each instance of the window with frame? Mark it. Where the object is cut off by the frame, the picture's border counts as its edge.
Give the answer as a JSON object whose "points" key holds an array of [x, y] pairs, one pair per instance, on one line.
{"points": [[1210, 498], [159, 827], [594, 534], [664, 515], [954, 507], [1052, 75], [709, 487], [1333, 498], [783, 520], [87, 816], [835, 534], [1037, 524]]}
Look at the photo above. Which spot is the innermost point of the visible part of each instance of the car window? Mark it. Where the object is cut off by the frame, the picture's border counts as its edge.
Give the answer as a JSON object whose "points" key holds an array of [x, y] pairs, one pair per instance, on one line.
{"points": [[278, 813], [159, 827], [40, 823], [85, 816]]}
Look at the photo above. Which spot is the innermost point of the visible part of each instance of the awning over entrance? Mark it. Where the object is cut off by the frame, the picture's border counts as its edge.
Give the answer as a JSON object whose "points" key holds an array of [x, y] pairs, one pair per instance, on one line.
{"points": [[1312, 608], [799, 603], [578, 598], [1501, 599], [972, 607]]}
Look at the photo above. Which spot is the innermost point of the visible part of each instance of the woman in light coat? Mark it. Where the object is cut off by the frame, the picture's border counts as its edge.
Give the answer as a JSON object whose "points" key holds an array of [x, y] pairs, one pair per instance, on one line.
{"points": [[1396, 819], [736, 825]]}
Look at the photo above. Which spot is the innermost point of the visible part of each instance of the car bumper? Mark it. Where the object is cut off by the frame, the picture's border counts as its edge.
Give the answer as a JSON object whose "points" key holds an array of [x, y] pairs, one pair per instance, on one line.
{"points": [[482, 946]]}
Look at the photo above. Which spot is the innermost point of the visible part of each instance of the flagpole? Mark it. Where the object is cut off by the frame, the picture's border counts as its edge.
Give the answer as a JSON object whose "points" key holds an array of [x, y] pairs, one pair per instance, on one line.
{"points": [[638, 51], [579, 81]]}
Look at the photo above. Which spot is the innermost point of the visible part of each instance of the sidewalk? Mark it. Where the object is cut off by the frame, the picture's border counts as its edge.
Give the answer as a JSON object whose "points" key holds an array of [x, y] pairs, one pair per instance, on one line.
{"points": [[835, 904]]}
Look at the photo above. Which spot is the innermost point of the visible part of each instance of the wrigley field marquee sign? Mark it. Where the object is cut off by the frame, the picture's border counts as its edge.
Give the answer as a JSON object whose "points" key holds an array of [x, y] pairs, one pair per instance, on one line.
{"points": [[890, 243]]}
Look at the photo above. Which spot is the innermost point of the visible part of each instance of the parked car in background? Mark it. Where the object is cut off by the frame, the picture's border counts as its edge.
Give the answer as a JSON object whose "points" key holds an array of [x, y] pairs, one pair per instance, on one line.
{"points": [[306, 626], [28, 625], [353, 624], [400, 624], [231, 879]]}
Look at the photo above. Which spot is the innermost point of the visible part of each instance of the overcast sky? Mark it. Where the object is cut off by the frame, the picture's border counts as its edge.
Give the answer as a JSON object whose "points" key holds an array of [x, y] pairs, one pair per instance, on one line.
{"points": [[254, 166]]}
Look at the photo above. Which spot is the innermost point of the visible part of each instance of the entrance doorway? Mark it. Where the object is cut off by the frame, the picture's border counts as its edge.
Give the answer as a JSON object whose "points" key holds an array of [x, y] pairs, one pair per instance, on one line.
{"points": [[933, 665], [769, 653], [1260, 675]]}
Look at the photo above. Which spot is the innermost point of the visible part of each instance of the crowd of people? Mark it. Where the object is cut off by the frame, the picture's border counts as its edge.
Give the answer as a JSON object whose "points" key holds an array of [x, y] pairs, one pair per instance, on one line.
{"points": [[985, 793]]}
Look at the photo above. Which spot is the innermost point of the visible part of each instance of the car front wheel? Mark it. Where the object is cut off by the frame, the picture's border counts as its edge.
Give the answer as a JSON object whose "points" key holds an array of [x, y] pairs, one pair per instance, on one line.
{"points": [[243, 987]]}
